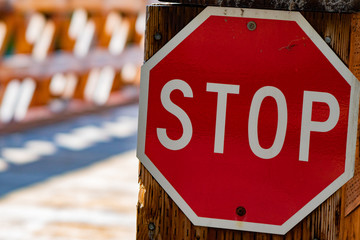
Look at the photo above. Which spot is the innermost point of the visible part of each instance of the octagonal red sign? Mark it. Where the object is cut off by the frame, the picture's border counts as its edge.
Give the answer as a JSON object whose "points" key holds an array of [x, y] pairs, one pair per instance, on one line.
{"points": [[248, 110]]}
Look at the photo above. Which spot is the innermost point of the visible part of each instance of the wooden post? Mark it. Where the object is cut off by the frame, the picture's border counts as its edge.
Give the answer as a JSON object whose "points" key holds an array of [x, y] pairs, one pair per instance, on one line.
{"points": [[158, 217]]}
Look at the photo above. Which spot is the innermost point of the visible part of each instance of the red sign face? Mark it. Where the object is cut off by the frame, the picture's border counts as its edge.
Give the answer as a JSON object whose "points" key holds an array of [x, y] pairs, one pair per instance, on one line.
{"points": [[250, 109]]}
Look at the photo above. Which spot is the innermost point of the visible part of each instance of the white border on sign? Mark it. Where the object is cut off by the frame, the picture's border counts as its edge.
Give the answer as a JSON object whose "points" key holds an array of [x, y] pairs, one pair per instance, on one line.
{"points": [[328, 53]]}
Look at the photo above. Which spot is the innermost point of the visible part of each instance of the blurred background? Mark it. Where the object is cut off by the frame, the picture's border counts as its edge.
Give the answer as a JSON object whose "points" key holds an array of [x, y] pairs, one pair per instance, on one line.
{"points": [[69, 79]]}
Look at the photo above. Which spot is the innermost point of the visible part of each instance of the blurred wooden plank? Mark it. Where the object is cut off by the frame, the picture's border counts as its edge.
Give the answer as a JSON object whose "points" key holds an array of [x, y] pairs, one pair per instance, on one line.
{"points": [[42, 115], [39, 5], [129, 6], [21, 66]]}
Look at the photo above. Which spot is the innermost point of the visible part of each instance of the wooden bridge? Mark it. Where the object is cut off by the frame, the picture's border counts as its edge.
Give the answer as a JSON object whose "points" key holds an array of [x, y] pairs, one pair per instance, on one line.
{"points": [[60, 58]]}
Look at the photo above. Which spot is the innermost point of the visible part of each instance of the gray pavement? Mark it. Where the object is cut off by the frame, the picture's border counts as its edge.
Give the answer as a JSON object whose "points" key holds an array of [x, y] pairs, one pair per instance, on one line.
{"points": [[72, 180]]}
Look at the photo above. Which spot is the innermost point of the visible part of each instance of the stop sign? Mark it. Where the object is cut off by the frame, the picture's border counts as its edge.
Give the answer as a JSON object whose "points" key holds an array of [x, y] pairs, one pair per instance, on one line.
{"points": [[248, 120]]}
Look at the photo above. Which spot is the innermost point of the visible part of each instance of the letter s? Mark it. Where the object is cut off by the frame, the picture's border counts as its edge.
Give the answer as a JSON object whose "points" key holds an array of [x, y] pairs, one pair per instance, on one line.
{"points": [[184, 140]]}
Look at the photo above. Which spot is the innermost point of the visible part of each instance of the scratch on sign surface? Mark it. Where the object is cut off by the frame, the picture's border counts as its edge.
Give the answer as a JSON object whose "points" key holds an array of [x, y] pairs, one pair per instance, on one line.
{"points": [[292, 44]]}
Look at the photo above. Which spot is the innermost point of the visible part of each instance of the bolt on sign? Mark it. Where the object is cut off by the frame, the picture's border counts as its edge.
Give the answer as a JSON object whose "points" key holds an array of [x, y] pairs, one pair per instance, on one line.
{"points": [[248, 119]]}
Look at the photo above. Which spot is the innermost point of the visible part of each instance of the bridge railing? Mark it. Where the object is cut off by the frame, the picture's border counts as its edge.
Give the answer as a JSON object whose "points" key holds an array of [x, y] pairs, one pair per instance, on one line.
{"points": [[63, 57]]}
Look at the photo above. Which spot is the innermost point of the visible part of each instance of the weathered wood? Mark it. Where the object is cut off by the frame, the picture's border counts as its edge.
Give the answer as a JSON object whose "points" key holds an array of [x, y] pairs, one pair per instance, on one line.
{"points": [[350, 212], [300, 5], [351, 227], [163, 22], [352, 193]]}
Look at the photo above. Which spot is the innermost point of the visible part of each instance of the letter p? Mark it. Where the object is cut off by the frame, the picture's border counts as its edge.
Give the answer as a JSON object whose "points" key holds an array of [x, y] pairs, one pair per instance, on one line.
{"points": [[307, 125]]}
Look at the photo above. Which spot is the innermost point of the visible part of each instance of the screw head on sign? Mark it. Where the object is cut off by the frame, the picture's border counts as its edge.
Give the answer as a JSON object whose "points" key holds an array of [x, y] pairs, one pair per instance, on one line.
{"points": [[157, 36], [328, 40], [251, 25], [151, 226], [241, 211]]}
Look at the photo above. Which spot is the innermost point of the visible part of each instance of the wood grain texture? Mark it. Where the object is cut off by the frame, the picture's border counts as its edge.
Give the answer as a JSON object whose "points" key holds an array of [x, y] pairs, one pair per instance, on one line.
{"points": [[156, 206], [350, 214], [299, 5]]}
